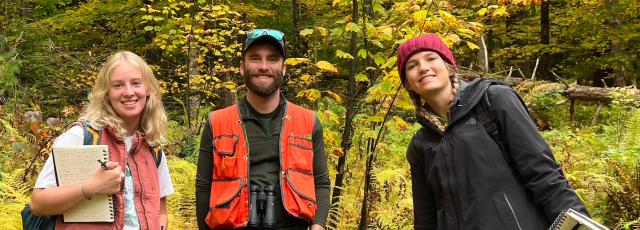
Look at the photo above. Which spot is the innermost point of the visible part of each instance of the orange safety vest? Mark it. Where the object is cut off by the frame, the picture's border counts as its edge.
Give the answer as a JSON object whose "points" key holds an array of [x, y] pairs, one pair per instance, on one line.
{"points": [[229, 202]]}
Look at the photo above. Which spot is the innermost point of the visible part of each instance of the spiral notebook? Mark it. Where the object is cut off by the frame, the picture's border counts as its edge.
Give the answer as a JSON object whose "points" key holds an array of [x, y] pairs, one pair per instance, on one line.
{"points": [[573, 220], [76, 164]]}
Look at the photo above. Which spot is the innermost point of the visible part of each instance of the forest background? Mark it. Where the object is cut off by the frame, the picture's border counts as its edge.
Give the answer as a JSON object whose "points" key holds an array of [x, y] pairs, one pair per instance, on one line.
{"points": [[575, 63]]}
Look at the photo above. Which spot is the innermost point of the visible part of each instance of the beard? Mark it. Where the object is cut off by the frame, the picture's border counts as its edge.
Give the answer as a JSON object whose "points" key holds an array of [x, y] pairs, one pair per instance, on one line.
{"points": [[263, 90]]}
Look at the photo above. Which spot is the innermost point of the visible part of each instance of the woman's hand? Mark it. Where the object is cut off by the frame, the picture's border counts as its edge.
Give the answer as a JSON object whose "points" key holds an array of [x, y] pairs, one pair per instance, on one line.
{"points": [[56, 200], [107, 180]]}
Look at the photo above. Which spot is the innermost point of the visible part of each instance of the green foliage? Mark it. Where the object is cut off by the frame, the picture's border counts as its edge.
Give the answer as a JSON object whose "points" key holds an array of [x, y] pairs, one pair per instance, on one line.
{"points": [[601, 162], [183, 142], [14, 194], [203, 34], [583, 34], [394, 207], [25, 145], [541, 100], [27, 140], [181, 204], [64, 45], [9, 66], [193, 46]]}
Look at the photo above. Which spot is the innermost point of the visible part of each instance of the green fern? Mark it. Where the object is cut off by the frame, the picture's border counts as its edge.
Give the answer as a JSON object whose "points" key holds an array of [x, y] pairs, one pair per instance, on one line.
{"points": [[14, 194], [632, 135], [181, 204]]}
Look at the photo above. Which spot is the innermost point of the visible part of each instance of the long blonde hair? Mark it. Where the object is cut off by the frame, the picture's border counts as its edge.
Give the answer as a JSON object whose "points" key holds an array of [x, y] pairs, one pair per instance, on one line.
{"points": [[100, 113], [423, 109]]}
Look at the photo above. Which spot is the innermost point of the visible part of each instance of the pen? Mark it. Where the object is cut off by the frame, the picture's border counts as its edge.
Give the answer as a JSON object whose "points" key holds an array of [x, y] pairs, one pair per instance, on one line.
{"points": [[103, 164]]}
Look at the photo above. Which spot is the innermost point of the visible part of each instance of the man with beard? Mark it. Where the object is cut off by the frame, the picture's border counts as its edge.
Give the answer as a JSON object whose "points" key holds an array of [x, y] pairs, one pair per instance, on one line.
{"points": [[262, 162]]}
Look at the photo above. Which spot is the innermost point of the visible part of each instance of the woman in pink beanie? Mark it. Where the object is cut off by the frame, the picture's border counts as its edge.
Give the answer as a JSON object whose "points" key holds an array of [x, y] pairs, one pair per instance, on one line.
{"points": [[478, 162]]}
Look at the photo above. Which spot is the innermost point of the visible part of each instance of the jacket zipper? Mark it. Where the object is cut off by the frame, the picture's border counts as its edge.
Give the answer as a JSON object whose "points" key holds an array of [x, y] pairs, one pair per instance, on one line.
{"points": [[282, 169], [449, 184], [141, 187], [512, 212]]}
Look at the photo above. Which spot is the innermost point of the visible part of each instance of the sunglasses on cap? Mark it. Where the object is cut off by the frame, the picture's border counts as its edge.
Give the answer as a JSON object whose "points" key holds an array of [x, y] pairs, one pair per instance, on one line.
{"points": [[253, 34], [276, 37]]}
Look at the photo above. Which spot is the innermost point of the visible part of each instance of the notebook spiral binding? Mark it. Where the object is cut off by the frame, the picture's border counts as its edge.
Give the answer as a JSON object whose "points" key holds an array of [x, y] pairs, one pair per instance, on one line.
{"points": [[573, 220], [559, 220], [105, 157]]}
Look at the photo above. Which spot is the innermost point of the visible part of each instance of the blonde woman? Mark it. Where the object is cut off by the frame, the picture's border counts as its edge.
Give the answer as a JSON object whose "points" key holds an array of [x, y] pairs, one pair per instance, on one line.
{"points": [[125, 107], [468, 174]]}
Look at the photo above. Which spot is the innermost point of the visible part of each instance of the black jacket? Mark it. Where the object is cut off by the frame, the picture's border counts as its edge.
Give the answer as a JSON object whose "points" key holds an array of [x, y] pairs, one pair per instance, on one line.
{"points": [[462, 180]]}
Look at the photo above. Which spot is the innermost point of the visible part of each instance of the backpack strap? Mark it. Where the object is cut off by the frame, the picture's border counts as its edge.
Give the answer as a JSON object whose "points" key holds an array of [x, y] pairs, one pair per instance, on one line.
{"points": [[157, 152], [91, 135], [484, 114]]}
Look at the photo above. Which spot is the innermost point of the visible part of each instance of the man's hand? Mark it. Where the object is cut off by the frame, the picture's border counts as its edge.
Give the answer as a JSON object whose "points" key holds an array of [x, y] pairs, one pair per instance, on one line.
{"points": [[316, 227]]}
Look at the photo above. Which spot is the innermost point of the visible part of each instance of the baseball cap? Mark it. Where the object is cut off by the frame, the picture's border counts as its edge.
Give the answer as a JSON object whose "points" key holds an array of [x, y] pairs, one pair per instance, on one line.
{"points": [[275, 37]]}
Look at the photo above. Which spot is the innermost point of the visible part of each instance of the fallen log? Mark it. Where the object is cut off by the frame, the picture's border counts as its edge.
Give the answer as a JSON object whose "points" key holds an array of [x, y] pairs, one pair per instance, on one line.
{"points": [[571, 91]]}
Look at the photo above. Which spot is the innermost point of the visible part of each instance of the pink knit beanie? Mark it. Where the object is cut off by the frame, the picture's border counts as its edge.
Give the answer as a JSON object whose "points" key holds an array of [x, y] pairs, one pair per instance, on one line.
{"points": [[430, 42]]}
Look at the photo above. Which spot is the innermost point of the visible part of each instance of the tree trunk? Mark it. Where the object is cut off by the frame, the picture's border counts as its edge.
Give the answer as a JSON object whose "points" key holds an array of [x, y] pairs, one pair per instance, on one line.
{"points": [[192, 69], [367, 10], [617, 45], [347, 134], [508, 25], [372, 144], [483, 54], [364, 209], [297, 41], [228, 98], [545, 28], [572, 92], [588, 93]]}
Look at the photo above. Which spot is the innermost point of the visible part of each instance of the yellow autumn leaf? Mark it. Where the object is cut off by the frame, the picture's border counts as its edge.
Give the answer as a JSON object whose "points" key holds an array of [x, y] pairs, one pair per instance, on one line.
{"points": [[326, 66], [420, 15], [502, 11], [352, 27], [305, 78], [338, 152], [400, 123], [306, 32], [386, 33], [323, 31], [310, 94], [465, 32], [448, 18], [335, 96], [472, 46], [230, 85], [295, 61], [453, 38], [362, 78], [482, 11], [343, 55]]}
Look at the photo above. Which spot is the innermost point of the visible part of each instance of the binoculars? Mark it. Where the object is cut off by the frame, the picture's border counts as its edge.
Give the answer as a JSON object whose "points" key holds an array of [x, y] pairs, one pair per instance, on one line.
{"points": [[262, 210]]}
